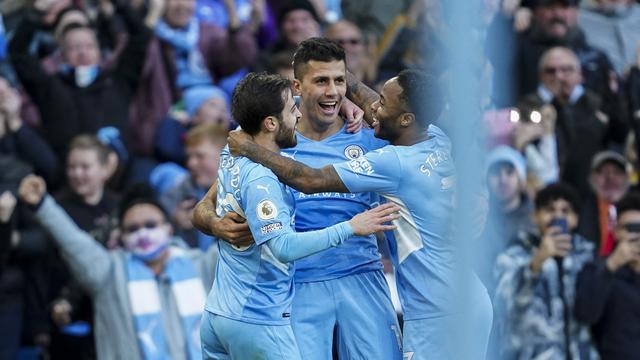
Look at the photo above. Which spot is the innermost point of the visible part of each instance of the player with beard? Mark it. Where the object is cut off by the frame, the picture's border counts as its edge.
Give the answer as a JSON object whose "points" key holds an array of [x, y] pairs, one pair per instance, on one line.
{"points": [[249, 308], [417, 173]]}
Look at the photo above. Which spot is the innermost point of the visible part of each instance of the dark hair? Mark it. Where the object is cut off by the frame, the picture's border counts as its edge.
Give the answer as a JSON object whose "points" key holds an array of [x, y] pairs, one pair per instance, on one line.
{"points": [[558, 191], [317, 49], [630, 202], [257, 96], [293, 5], [140, 193], [76, 26], [422, 95], [90, 142]]}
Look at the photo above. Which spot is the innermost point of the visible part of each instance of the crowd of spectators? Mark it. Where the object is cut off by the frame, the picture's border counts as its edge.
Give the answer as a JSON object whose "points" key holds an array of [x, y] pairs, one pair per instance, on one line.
{"points": [[98, 96]]}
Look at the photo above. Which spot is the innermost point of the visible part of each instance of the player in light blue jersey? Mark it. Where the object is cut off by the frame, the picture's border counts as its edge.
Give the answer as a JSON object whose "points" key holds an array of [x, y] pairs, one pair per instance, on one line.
{"points": [[356, 315], [417, 173], [248, 311]]}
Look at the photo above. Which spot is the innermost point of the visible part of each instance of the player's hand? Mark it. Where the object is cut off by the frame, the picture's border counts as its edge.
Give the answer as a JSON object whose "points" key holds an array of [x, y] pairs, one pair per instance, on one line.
{"points": [[238, 141], [353, 114], [32, 189], [373, 220], [233, 228]]}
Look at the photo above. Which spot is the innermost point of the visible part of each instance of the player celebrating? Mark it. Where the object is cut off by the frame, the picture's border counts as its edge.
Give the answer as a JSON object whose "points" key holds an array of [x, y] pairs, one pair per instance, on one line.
{"points": [[249, 308], [356, 305], [417, 173]]}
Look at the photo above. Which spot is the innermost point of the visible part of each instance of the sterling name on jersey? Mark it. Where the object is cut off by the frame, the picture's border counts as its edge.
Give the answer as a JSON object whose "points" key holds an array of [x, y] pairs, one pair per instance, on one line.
{"points": [[421, 180], [251, 285], [317, 211]]}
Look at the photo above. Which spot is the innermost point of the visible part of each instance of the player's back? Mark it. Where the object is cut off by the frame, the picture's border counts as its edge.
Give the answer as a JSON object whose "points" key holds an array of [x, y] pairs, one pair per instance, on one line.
{"points": [[251, 285]]}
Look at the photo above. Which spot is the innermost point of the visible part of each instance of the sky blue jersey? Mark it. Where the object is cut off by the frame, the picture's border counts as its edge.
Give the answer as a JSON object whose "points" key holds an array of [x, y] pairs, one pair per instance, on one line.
{"points": [[316, 211], [421, 180], [251, 285]]}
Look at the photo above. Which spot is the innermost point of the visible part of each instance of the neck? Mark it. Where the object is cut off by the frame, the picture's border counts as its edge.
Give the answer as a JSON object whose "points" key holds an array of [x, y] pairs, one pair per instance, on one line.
{"points": [[157, 265], [511, 204], [316, 130], [93, 199], [411, 136], [266, 141]]}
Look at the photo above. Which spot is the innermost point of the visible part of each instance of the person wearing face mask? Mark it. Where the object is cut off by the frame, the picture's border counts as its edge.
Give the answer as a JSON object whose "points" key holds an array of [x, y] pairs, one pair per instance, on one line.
{"points": [[81, 97], [614, 27], [148, 296]]}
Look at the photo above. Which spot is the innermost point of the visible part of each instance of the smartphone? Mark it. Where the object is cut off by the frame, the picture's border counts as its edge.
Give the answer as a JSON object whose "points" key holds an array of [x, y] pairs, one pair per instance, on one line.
{"points": [[561, 223]]}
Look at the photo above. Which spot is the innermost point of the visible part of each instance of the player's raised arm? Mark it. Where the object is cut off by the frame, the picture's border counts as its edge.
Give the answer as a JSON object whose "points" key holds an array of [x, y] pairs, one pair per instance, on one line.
{"points": [[231, 228], [293, 173], [361, 95]]}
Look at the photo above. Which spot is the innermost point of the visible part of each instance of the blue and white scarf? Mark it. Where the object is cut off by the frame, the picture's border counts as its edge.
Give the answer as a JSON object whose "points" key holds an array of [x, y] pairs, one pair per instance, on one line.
{"points": [[190, 66], [189, 293]]}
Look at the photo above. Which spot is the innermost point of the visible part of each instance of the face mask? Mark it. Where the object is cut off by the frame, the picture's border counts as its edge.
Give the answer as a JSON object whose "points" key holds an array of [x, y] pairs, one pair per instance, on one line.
{"points": [[84, 75], [147, 244]]}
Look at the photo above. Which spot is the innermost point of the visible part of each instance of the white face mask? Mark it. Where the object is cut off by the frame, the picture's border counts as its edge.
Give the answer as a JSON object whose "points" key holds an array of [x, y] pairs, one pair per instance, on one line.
{"points": [[85, 75], [147, 244]]}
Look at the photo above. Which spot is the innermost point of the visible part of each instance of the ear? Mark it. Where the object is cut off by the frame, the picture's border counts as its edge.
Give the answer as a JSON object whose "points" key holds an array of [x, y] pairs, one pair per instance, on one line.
{"points": [[297, 87], [407, 119], [270, 124]]}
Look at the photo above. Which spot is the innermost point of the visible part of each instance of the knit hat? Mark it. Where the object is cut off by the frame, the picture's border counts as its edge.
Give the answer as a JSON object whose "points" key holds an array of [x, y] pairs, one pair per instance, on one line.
{"points": [[195, 96], [507, 154]]}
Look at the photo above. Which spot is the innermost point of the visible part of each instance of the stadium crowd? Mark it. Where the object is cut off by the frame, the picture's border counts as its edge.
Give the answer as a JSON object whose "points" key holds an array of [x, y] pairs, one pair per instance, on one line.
{"points": [[114, 113]]}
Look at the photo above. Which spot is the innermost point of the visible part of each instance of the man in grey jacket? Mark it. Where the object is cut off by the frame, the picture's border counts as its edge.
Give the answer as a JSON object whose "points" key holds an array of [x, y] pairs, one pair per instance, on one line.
{"points": [[149, 296]]}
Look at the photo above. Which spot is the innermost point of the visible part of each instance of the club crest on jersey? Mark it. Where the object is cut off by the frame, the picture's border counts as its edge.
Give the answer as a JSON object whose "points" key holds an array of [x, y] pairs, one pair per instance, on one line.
{"points": [[353, 151], [266, 210]]}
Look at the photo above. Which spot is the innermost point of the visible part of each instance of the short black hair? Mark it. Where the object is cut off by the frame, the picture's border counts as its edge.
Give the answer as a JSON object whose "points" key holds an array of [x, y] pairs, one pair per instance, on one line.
{"points": [[422, 94], [316, 49], [630, 202], [257, 96], [558, 191], [77, 26], [140, 193]]}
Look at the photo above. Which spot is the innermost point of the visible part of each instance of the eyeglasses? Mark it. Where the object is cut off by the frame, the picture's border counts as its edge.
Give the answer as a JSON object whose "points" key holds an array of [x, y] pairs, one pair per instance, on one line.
{"points": [[633, 227], [352, 41], [149, 224], [564, 69]]}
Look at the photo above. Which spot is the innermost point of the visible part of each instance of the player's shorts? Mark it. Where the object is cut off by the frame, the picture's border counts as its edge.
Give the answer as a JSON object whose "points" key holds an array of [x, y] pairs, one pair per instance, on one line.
{"points": [[224, 338], [463, 336], [356, 308]]}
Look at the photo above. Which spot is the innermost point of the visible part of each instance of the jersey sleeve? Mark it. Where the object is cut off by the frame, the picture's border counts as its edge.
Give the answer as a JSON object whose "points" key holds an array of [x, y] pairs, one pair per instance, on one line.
{"points": [[377, 170], [266, 210]]}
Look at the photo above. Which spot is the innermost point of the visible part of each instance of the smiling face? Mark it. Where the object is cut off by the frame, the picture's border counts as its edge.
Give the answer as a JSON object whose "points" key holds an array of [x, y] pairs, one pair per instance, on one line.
{"points": [[322, 88], [388, 110]]}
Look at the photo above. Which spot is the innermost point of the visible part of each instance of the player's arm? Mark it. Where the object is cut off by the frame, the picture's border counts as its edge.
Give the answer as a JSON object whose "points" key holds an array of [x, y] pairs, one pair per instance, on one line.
{"points": [[293, 245], [231, 228], [293, 173], [361, 95]]}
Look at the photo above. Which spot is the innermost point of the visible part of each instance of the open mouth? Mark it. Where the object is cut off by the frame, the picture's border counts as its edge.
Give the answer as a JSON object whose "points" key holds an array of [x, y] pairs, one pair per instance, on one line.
{"points": [[328, 107]]}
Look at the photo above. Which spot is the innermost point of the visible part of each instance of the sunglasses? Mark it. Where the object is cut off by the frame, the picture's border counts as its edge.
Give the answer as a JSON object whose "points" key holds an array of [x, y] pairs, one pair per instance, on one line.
{"points": [[631, 227], [352, 41], [564, 69], [149, 224]]}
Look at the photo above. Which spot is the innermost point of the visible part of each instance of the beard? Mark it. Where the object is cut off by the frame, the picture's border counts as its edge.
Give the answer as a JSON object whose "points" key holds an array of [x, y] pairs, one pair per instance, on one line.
{"points": [[286, 138]]}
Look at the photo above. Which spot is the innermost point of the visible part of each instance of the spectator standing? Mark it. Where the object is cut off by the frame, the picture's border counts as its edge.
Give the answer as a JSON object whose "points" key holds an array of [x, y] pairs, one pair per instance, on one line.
{"points": [[608, 290], [149, 296], [609, 183], [536, 283]]}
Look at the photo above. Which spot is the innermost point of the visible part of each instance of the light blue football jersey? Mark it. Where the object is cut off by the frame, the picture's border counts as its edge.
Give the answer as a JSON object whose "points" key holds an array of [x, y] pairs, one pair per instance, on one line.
{"points": [[251, 285], [421, 180], [317, 211]]}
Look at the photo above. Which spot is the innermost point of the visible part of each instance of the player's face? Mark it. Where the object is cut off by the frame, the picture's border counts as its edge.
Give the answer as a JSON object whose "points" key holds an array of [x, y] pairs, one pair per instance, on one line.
{"points": [[387, 111], [322, 89], [286, 137]]}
